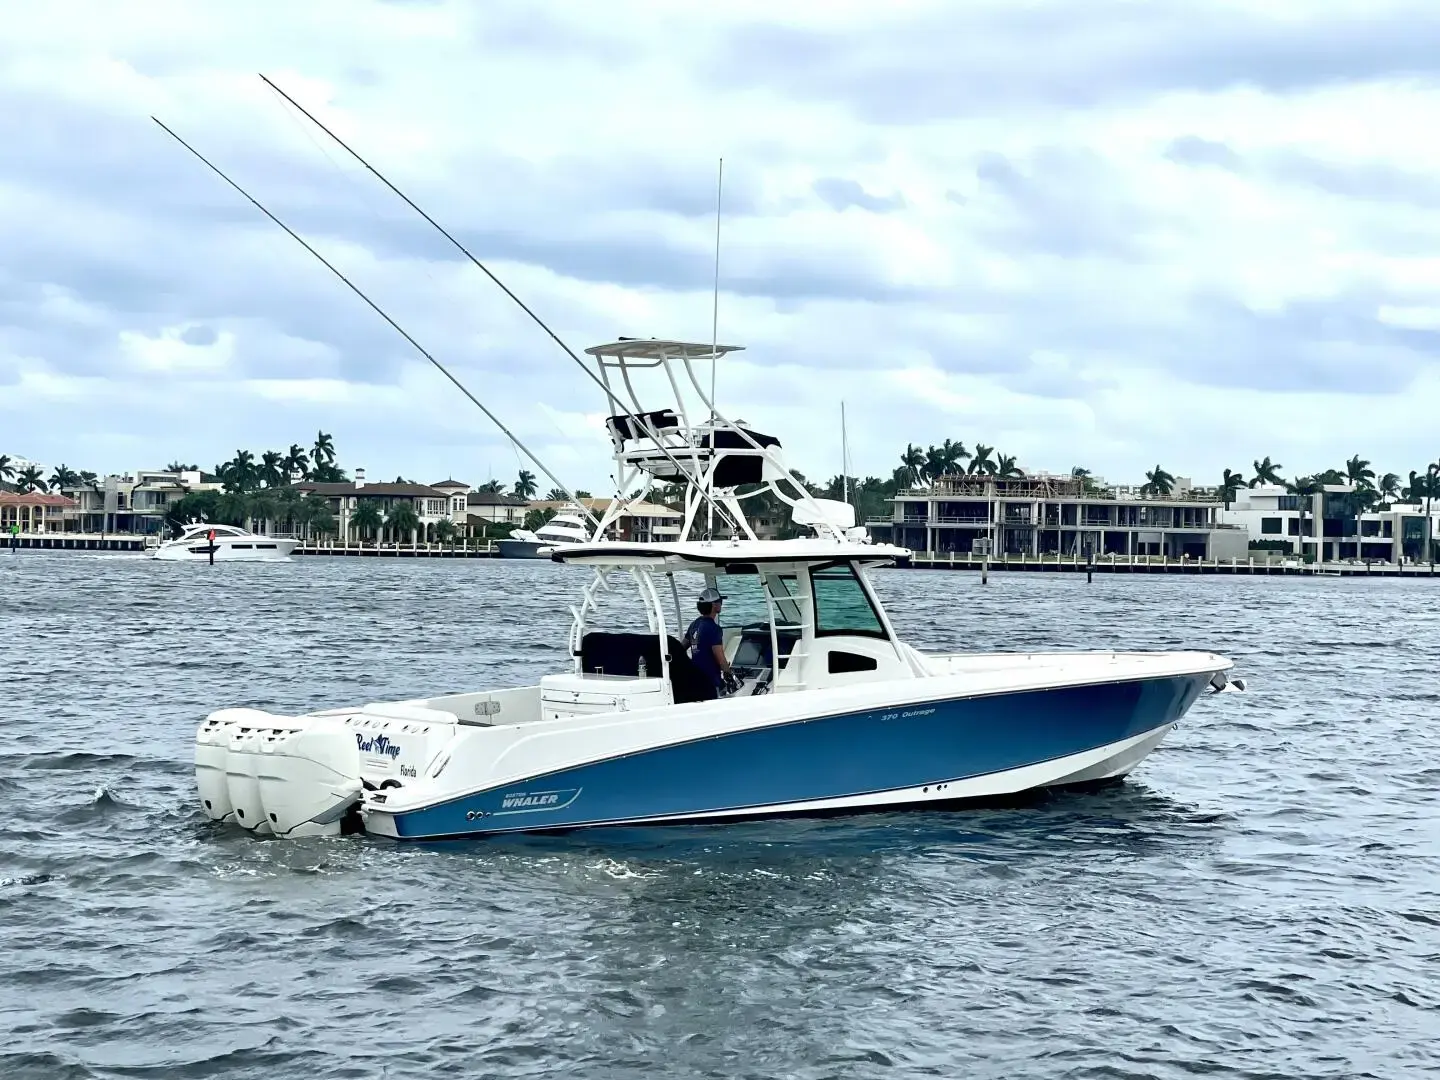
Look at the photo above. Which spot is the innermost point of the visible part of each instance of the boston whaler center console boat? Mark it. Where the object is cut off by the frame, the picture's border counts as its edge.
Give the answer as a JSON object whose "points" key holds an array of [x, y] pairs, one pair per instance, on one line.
{"points": [[833, 710]]}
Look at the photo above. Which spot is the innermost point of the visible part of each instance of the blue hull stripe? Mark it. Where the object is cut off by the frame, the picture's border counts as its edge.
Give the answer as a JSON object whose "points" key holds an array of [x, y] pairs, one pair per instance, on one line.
{"points": [[828, 757]]}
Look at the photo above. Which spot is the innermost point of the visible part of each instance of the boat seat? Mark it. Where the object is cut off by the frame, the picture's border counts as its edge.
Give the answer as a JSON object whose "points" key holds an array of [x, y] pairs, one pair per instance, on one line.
{"points": [[687, 682], [620, 653], [603, 653]]}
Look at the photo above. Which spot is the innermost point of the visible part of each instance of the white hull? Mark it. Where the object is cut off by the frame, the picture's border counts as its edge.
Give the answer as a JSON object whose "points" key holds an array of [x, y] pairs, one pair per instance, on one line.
{"points": [[453, 766], [259, 549]]}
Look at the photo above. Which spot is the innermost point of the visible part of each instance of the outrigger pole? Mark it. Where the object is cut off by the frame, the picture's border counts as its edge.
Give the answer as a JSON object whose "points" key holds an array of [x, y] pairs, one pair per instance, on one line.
{"points": [[379, 311], [642, 423]]}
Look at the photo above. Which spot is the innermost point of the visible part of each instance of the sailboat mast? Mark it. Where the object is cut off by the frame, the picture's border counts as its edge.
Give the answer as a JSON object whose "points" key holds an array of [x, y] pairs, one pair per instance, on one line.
{"points": [[844, 455]]}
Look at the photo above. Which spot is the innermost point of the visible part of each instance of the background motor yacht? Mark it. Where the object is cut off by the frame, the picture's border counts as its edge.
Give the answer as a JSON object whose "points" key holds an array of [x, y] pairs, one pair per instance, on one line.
{"points": [[231, 544], [566, 527]]}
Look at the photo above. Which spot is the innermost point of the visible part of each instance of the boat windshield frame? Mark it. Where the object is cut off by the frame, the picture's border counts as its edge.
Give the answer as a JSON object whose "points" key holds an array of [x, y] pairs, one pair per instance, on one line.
{"points": [[647, 572]]}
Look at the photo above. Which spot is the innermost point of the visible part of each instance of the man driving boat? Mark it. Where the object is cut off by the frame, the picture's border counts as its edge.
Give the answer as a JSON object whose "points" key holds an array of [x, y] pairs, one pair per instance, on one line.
{"points": [[706, 641]]}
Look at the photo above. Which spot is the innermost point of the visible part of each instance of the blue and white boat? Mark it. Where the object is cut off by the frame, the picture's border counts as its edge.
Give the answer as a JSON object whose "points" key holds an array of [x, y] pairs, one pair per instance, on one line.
{"points": [[833, 711]]}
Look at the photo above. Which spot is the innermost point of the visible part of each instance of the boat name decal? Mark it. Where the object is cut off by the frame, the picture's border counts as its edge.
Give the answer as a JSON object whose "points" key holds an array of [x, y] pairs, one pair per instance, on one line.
{"points": [[379, 745], [904, 715]]}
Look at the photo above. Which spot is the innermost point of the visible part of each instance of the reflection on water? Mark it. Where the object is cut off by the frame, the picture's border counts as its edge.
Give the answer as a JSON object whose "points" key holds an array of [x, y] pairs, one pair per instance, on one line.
{"points": [[1259, 900]]}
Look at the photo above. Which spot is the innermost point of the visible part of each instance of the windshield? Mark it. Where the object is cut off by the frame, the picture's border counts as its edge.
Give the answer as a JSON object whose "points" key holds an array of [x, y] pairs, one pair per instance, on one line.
{"points": [[744, 603], [841, 605]]}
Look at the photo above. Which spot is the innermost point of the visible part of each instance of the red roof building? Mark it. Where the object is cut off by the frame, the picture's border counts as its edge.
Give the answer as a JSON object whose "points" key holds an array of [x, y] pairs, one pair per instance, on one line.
{"points": [[34, 511]]}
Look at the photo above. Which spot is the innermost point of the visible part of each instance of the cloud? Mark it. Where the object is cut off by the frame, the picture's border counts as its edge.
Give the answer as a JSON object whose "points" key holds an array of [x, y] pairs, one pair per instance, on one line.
{"points": [[1106, 234]]}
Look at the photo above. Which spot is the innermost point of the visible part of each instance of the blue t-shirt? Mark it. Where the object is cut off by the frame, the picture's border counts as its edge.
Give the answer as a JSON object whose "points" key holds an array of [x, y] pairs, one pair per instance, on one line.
{"points": [[705, 632]]}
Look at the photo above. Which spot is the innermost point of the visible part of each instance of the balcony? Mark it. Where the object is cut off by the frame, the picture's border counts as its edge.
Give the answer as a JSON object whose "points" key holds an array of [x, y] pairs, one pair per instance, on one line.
{"points": [[974, 522]]}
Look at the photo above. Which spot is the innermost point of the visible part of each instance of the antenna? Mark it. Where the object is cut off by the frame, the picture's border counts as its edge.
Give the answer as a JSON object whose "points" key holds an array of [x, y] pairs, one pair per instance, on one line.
{"points": [[715, 327], [715, 299], [378, 310], [641, 422]]}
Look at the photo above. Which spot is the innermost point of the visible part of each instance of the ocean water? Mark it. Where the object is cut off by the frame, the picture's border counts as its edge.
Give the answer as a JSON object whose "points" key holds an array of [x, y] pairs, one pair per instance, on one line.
{"points": [[1260, 899]]}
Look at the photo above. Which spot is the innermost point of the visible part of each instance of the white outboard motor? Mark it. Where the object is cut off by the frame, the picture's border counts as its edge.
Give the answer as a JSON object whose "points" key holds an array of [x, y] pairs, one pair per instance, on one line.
{"points": [[309, 776], [242, 778], [212, 747]]}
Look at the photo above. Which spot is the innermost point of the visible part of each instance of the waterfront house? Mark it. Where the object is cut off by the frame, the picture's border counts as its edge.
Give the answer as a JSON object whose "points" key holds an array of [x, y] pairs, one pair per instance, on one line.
{"points": [[432, 503], [483, 508], [1046, 515], [133, 502], [34, 512], [1330, 525]]}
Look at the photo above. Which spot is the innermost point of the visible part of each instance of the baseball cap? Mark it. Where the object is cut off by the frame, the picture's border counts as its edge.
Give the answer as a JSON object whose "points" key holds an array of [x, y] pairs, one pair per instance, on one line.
{"points": [[709, 596]]}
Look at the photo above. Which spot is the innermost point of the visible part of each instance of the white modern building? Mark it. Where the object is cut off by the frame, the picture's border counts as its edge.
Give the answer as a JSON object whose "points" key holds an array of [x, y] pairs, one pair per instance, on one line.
{"points": [[133, 502], [1044, 515], [1331, 526]]}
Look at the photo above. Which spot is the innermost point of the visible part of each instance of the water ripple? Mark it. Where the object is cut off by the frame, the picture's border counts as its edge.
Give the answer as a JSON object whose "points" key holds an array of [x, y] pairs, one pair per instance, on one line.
{"points": [[1261, 900]]}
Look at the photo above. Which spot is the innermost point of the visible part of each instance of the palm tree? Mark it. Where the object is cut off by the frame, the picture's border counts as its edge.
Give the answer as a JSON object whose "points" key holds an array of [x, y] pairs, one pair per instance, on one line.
{"points": [[1230, 484], [239, 473], [1305, 488], [272, 469], [525, 486], [444, 530], [178, 466], [935, 464], [29, 479], [1359, 473], [64, 477], [1158, 482], [1005, 467], [7, 469], [296, 462], [365, 519], [1267, 472], [323, 452], [402, 519], [952, 454], [491, 487], [913, 462], [981, 461], [1390, 486]]}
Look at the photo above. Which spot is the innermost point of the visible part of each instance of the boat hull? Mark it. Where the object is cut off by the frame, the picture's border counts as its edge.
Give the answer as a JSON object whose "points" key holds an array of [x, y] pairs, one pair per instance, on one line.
{"points": [[275, 551], [930, 752], [520, 549]]}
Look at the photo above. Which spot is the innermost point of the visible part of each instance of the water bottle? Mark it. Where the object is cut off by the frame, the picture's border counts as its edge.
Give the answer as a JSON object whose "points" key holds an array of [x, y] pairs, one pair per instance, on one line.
{"points": [[643, 670]]}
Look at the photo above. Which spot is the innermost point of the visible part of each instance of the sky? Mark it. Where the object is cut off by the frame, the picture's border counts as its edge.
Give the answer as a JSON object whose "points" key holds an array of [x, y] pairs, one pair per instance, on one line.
{"points": [[1113, 235]]}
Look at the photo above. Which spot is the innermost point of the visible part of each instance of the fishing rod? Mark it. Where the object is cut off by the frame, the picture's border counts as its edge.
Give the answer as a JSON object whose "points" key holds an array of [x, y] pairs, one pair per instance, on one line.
{"points": [[615, 402], [379, 311]]}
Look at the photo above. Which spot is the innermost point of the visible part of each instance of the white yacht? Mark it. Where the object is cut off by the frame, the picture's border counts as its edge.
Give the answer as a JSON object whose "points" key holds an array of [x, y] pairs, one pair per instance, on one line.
{"points": [[199, 540], [566, 527], [827, 708]]}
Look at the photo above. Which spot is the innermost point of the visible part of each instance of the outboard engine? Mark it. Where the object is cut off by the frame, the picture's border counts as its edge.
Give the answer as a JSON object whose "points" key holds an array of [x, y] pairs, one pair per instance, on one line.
{"points": [[242, 778], [212, 747], [309, 776]]}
